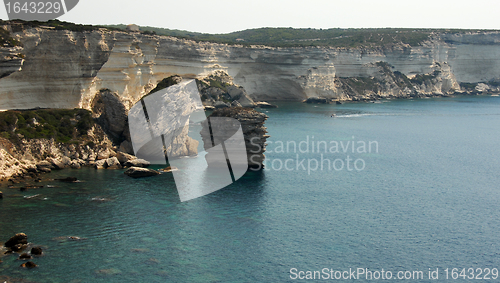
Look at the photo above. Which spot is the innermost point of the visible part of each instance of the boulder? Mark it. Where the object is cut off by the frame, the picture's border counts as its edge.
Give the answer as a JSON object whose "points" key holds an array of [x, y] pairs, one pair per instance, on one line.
{"points": [[138, 163], [44, 165], [100, 164], [36, 251], [25, 256], [113, 163], [262, 104], [124, 157], [18, 239], [103, 154], [137, 172], [208, 107], [28, 264], [220, 104], [75, 164], [1, 195], [56, 163], [44, 170], [66, 161], [235, 104]]}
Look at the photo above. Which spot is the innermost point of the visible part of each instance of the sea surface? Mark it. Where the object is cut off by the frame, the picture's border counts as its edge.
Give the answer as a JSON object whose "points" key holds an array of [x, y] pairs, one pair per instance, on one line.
{"points": [[423, 193]]}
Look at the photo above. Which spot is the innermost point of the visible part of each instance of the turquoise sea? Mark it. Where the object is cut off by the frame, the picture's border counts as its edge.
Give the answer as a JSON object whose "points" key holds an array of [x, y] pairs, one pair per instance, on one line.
{"points": [[425, 196]]}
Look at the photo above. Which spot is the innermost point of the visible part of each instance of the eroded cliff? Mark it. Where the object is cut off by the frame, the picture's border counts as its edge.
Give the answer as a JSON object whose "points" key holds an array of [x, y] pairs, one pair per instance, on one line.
{"points": [[66, 69]]}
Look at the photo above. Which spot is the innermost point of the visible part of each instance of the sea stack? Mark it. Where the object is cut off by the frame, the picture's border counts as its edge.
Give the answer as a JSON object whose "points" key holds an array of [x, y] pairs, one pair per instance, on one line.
{"points": [[254, 132]]}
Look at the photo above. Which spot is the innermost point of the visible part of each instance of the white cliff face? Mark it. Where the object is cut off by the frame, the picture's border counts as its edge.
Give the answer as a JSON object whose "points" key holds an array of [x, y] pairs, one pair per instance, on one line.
{"points": [[65, 69]]}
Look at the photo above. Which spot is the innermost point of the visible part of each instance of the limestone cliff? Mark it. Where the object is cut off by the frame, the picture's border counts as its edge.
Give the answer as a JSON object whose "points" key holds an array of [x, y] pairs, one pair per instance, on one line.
{"points": [[66, 69], [254, 132]]}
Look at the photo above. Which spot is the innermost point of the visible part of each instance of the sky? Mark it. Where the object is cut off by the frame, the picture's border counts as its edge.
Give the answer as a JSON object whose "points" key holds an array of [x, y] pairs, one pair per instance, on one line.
{"points": [[224, 16]]}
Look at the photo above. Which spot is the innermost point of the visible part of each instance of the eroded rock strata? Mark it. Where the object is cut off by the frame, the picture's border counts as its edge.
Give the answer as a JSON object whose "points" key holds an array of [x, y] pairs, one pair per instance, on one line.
{"points": [[53, 68], [254, 132]]}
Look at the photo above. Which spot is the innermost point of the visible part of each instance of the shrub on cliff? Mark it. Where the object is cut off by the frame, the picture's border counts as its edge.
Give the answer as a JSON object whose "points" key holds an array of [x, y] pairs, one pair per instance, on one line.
{"points": [[64, 125]]}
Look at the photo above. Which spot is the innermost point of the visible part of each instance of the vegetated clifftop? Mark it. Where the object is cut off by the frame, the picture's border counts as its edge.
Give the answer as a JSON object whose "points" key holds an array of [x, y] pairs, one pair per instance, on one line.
{"points": [[43, 66]]}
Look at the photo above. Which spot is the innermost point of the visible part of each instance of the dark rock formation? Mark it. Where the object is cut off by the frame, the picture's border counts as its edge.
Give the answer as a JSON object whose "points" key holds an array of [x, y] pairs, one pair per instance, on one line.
{"points": [[110, 114], [137, 172], [25, 256], [1, 195], [16, 241], [36, 251], [68, 180], [317, 100], [29, 264], [254, 132]]}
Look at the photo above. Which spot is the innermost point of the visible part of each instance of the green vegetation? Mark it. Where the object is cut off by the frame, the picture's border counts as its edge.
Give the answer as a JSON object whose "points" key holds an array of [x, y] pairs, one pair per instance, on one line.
{"points": [[7, 40], [64, 125], [56, 24], [363, 84], [290, 37], [421, 78], [276, 37]]}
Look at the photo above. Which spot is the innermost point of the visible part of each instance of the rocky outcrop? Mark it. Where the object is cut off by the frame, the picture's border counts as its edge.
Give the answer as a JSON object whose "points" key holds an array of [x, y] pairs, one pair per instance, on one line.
{"points": [[138, 172], [110, 113], [32, 156], [17, 240], [254, 132]]}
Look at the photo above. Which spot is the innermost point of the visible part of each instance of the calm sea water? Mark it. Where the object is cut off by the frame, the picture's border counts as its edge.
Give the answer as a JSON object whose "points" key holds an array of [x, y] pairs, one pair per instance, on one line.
{"points": [[426, 195]]}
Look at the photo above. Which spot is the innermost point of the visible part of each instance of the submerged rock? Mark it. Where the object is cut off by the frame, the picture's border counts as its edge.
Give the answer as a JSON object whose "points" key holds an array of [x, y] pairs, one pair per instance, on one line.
{"points": [[68, 180], [138, 172], [36, 251], [25, 256], [317, 100], [29, 264]]}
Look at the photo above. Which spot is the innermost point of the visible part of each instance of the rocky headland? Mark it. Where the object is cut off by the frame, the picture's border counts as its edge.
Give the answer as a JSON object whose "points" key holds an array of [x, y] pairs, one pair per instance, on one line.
{"points": [[106, 72]]}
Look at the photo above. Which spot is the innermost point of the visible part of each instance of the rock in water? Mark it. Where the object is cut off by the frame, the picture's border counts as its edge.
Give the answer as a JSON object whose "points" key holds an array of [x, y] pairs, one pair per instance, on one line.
{"points": [[29, 264], [18, 239], [138, 163], [137, 172], [25, 256], [124, 157], [68, 180], [254, 132], [36, 251], [263, 104], [113, 163], [317, 100]]}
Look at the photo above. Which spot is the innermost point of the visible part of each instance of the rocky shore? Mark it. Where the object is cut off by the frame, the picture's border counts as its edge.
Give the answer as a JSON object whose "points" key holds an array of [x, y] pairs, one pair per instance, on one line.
{"points": [[102, 140]]}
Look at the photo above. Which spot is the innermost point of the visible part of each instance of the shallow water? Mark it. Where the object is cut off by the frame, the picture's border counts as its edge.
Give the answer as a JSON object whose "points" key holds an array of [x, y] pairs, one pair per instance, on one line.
{"points": [[428, 197]]}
